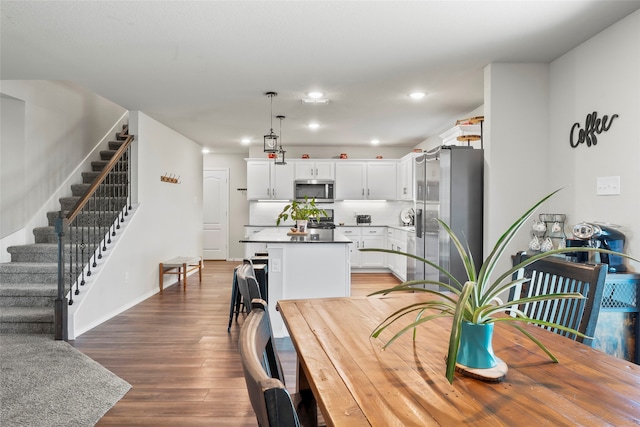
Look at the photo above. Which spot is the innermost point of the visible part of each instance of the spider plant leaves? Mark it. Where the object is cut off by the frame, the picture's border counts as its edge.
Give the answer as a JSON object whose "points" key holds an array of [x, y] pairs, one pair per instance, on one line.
{"points": [[478, 299]]}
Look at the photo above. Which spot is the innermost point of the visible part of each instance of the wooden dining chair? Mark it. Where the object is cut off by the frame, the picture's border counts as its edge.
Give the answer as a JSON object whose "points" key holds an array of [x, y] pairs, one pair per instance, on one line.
{"points": [[555, 275], [271, 402]]}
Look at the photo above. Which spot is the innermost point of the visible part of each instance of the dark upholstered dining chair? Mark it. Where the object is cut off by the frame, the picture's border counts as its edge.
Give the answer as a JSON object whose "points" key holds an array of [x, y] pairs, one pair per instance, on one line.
{"points": [[271, 401], [555, 275], [247, 284]]}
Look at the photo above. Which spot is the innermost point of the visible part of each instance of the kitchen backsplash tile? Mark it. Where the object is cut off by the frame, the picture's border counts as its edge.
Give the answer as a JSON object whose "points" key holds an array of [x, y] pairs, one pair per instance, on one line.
{"points": [[382, 213]]}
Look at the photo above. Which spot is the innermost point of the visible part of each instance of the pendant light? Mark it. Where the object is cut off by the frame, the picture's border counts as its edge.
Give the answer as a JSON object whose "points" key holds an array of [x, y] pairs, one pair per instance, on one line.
{"points": [[279, 160], [271, 139]]}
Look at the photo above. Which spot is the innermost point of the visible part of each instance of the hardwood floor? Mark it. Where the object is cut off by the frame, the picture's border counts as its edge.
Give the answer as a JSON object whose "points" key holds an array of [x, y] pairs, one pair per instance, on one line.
{"points": [[182, 364]]}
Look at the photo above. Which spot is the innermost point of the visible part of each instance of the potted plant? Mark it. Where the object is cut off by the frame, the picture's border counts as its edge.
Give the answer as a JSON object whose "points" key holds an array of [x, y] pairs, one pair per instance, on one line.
{"points": [[476, 302], [301, 212]]}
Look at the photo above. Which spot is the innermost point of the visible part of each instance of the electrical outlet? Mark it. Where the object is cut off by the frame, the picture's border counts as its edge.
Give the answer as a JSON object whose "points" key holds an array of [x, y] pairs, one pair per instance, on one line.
{"points": [[276, 266], [608, 185]]}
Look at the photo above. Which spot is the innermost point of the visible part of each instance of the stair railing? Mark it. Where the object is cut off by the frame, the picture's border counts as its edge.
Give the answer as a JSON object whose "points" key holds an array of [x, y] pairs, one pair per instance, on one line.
{"points": [[90, 225]]}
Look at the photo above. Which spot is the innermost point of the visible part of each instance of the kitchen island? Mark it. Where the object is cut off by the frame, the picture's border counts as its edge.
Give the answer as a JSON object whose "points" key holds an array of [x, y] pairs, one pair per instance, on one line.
{"points": [[314, 265]]}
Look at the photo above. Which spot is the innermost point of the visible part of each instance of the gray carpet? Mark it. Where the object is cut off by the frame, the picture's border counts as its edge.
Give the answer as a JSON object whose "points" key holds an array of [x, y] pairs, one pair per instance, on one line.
{"points": [[44, 382]]}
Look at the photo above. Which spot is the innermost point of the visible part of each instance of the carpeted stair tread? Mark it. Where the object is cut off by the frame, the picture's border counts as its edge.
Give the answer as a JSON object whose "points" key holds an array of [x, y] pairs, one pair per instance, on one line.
{"points": [[28, 267], [39, 252], [27, 314], [28, 294], [33, 247], [32, 289]]}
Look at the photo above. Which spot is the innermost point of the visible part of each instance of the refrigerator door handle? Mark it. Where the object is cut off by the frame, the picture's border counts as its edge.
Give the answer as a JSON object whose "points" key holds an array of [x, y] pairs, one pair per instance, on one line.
{"points": [[418, 222]]}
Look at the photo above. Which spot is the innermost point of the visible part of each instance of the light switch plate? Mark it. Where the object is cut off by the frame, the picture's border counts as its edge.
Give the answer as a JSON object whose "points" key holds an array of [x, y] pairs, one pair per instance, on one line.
{"points": [[608, 185]]}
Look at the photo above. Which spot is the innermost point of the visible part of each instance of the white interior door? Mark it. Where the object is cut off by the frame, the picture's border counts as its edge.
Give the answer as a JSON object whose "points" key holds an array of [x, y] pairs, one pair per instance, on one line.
{"points": [[216, 219]]}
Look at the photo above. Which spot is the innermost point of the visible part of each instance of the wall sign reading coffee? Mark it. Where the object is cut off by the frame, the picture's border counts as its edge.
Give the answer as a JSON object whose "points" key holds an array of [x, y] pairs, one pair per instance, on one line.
{"points": [[592, 125]]}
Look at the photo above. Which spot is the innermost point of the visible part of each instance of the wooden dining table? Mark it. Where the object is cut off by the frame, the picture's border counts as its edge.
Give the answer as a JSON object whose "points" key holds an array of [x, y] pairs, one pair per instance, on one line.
{"points": [[356, 383]]}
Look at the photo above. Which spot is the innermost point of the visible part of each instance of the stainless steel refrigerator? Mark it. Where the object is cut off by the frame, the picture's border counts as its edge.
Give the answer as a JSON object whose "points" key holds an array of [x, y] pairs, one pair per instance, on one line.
{"points": [[449, 186]]}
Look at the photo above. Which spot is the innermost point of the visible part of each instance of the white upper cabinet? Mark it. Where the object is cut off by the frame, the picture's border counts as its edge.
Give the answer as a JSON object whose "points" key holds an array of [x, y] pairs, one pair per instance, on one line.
{"points": [[405, 177], [381, 180], [366, 180], [350, 180], [309, 169], [266, 180]]}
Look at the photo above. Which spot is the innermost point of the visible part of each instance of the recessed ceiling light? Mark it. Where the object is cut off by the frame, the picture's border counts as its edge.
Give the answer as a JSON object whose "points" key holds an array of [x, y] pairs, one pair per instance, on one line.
{"points": [[313, 125], [315, 95], [375, 141], [246, 141], [205, 150], [315, 101], [417, 95]]}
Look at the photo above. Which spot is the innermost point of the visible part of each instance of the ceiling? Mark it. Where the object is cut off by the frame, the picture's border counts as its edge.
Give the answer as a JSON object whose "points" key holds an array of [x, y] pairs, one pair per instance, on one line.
{"points": [[202, 67]]}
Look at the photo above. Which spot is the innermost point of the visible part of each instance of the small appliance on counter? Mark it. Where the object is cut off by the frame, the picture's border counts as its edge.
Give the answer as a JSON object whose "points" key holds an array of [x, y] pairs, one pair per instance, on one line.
{"points": [[406, 216], [363, 219], [599, 235]]}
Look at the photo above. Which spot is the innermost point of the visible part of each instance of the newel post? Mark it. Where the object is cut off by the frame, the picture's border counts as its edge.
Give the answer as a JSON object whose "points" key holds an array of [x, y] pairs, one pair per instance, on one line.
{"points": [[61, 303]]}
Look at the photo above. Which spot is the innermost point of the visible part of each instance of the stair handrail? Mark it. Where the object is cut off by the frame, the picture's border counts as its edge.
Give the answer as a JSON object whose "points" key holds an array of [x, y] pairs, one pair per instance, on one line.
{"points": [[100, 179]]}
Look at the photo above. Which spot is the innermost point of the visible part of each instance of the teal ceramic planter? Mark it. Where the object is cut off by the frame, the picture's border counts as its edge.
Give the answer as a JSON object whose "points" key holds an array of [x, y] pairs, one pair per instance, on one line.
{"points": [[476, 350]]}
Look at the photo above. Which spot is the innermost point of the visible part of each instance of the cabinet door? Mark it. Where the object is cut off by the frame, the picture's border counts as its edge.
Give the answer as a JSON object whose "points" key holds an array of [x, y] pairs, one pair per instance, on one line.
{"points": [[391, 245], [282, 181], [381, 181], [405, 179], [304, 169], [259, 180], [350, 180], [352, 233], [372, 237], [402, 239], [372, 259], [324, 170]]}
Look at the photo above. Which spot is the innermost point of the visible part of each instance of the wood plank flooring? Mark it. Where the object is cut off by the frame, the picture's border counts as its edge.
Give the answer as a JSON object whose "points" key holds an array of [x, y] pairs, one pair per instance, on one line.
{"points": [[175, 351]]}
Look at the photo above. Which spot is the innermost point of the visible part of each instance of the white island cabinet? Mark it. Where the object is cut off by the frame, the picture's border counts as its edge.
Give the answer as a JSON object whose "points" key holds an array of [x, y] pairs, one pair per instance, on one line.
{"points": [[315, 265]]}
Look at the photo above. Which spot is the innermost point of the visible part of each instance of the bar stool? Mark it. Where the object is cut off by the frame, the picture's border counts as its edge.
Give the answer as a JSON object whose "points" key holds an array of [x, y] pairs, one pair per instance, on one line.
{"points": [[260, 272]]}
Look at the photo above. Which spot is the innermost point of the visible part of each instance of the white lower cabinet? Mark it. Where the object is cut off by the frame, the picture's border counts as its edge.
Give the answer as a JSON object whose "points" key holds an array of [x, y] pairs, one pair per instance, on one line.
{"points": [[397, 241], [366, 237]]}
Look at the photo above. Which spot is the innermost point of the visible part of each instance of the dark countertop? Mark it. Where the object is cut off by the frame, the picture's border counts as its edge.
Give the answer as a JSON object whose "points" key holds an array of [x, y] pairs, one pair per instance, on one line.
{"points": [[279, 235], [399, 227]]}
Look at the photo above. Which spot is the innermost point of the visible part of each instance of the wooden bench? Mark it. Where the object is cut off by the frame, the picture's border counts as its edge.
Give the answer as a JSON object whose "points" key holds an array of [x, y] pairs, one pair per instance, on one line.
{"points": [[180, 266]]}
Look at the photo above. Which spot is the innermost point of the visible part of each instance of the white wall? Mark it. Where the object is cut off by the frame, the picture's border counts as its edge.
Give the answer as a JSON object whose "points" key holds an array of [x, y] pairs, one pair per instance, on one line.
{"points": [[238, 204], [529, 112], [58, 126], [602, 75], [166, 223], [516, 133]]}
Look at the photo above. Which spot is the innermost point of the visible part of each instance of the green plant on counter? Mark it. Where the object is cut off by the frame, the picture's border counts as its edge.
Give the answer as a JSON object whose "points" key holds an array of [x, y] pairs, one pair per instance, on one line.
{"points": [[301, 211], [477, 300]]}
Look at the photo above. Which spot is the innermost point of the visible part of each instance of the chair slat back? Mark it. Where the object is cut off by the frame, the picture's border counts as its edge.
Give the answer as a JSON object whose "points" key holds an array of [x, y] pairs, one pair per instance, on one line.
{"points": [[263, 372], [554, 275]]}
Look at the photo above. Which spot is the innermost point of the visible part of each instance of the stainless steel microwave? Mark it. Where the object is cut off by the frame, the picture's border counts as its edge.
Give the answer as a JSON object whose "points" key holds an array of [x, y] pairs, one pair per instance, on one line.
{"points": [[322, 190]]}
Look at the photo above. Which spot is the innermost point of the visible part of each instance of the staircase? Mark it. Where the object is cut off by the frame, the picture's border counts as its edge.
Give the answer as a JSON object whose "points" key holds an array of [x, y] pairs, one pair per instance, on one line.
{"points": [[29, 283]]}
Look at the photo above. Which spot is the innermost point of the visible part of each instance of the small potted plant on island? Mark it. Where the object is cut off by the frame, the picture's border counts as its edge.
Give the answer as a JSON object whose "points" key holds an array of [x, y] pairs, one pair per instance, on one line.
{"points": [[301, 212], [475, 304]]}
